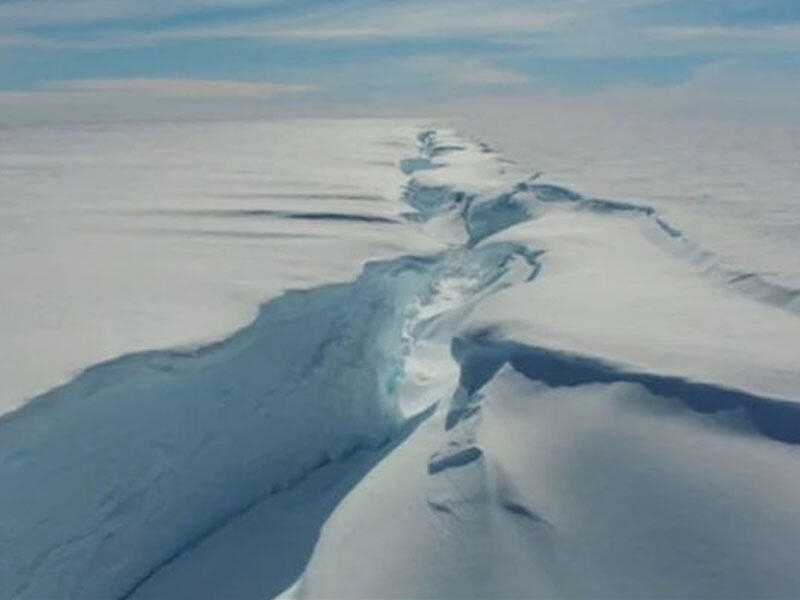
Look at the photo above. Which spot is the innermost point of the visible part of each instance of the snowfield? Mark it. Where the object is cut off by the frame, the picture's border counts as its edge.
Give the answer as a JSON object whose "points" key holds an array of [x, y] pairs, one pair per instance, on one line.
{"points": [[465, 381], [153, 235]]}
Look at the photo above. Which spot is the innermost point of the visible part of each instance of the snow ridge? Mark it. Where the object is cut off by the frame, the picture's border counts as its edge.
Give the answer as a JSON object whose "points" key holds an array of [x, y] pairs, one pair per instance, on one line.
{"points": [[521, 204], [485, 214], [481, 355]]}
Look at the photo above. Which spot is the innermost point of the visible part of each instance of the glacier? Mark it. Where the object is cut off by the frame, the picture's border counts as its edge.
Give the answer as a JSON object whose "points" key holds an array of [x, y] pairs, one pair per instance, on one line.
{"points": [[533, 393]]}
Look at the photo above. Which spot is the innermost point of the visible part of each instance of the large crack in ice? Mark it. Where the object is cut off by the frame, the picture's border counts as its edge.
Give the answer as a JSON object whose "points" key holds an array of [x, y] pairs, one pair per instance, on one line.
{"points": [[481, 354], [148, 455]]}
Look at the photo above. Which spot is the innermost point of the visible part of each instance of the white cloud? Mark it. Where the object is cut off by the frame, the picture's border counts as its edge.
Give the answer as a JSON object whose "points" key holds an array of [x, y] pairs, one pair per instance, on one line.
{"points": [[173, 88], [336, 20], [379, 21], [733, 91], [543, 28], [342, 21], [465, 72], [608, 39], [725, 89], [14, 40], [120, 99], [27, 13], [736, 39], [519, 30]]}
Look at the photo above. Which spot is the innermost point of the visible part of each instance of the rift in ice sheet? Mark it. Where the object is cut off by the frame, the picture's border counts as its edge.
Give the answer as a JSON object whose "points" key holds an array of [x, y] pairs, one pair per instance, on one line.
{"points": [[463, 380]]}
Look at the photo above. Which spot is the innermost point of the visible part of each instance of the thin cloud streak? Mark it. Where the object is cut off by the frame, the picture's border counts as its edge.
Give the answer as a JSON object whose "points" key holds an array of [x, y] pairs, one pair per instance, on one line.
{"points": [[370, 51], [37, 13], [465, 72], [125, 99], [357, 22], [174, 88], [567, 29]]}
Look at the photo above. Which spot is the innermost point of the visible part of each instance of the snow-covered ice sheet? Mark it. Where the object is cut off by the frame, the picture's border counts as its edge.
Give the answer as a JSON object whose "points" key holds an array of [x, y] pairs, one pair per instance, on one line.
{"points": [[131, 443], [599, 490], [624, 424], [606, 290], [149, 235], [527, 392], [731, 185]]}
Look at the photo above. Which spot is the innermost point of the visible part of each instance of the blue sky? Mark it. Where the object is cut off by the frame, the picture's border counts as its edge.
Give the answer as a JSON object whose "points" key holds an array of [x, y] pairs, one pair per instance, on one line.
{"points": [[313, 54]]}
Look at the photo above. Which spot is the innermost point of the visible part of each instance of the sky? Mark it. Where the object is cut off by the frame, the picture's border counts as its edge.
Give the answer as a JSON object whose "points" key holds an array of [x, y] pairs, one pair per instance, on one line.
{"points": [[123, 58]]}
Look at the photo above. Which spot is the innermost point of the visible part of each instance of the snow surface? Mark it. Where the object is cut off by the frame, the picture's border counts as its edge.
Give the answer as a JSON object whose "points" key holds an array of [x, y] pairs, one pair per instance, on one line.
{"points": [[605, 290], [528, 392], [652, 469], [731, 185], [138, 236], [598, 490]]}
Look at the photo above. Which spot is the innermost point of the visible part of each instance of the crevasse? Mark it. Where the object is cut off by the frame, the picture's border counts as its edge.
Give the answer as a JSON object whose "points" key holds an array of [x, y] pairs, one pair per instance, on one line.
{"points": [[147, 454]]}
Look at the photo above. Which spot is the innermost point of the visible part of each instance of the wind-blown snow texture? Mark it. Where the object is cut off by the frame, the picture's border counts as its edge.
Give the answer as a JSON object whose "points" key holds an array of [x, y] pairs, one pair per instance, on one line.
{"points": [[566, 397], [132, 237]]}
